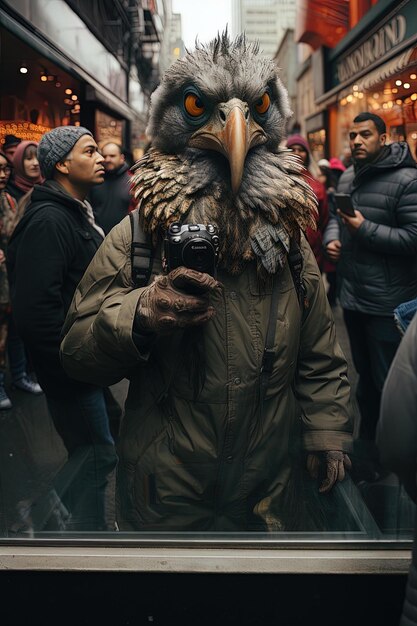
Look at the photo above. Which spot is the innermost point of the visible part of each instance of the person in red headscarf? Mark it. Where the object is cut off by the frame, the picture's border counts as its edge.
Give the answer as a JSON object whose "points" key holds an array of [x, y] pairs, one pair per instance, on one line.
{"points": [[26, 170], [10, 343], [300, 147]]}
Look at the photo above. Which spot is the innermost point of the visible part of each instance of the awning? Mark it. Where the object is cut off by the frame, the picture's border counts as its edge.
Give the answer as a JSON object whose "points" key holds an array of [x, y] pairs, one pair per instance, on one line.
{"points": [[321, 22], [39, 43]]}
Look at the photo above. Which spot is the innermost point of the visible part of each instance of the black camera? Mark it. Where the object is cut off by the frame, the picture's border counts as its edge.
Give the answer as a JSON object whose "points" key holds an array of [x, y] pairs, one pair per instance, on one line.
{"points": [[192, 245]]}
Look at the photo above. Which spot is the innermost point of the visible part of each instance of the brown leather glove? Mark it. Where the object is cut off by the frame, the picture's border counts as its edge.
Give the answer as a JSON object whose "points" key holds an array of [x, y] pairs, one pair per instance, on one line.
{"points": [[178, 300], [333, 463]]}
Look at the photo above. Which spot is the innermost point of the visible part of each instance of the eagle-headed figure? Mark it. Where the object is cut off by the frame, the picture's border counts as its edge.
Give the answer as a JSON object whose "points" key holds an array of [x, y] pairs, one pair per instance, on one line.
{"points": [[216, 124], [215, 456]]}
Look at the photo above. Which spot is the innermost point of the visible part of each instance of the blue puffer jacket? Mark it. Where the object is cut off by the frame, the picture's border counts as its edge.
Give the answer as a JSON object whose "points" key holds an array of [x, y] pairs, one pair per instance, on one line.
{"points": [[378, 265]]}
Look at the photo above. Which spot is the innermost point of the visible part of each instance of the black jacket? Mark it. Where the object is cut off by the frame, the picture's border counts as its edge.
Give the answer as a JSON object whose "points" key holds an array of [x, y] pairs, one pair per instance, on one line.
{"points": [[111, 199], [14, 190], [378, 265], [48, 253], [397, 439]]}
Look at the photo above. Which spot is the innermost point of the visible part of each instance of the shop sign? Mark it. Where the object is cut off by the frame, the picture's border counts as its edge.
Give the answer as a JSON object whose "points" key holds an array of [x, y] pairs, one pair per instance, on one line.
{"points": [[374, 49]]}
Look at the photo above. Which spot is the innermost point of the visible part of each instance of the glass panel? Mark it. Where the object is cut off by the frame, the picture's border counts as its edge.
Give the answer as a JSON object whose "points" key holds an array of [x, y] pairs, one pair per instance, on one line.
{"points": [[102, 462], [47, 492]]}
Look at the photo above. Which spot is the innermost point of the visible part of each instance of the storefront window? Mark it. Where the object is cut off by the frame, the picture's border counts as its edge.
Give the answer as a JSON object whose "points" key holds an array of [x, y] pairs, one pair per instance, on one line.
{"points": [[393, 99], [317, 142], [49, 490], [36, 95], [62, 26], [108, 128]]}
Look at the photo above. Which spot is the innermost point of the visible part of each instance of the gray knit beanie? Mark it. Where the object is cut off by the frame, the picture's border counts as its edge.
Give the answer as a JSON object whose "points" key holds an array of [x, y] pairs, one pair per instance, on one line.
{"points": [[56, 144]]}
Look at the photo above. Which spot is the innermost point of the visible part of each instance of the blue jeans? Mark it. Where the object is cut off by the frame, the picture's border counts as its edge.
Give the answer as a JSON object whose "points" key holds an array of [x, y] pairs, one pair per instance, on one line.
{"points": [[83, 424]]}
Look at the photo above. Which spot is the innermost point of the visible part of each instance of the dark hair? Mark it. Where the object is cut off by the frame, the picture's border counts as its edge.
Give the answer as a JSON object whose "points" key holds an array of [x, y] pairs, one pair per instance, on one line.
{"points": [[331, 175], [9, 163], [378, 121]]}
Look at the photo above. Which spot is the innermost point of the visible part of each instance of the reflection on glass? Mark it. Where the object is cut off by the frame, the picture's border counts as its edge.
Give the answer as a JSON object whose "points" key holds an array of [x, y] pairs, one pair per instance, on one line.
{"points": [[41, 488]]}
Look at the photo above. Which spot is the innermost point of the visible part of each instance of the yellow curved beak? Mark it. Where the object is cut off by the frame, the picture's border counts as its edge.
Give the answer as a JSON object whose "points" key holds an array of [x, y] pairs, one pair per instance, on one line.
{"points": [[233, 133]]}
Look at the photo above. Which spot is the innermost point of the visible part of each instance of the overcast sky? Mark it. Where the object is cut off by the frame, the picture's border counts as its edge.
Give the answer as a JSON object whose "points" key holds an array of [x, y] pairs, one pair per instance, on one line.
{"points": [[202, 18]]}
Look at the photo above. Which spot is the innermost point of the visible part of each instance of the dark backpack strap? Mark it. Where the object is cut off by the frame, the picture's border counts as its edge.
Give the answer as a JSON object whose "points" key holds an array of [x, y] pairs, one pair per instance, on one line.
{"points": [[295, 261], [141, 253], [269, 352]]}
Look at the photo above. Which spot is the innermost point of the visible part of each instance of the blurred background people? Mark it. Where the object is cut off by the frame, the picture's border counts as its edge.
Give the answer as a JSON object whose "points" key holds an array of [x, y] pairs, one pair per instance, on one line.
{"points": [[112, 200], [9, 343], [49, 252], [375, 253], [330, 172], [299, 145], [324, 167], [10, 144], [26, 170]]}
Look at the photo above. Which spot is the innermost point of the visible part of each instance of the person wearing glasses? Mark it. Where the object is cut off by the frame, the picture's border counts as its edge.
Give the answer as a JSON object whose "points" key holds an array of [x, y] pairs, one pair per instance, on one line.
{"points": [[15, 349]]}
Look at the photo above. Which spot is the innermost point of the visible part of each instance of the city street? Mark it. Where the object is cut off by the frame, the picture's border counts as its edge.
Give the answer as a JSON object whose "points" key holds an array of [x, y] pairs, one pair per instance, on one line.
{"points": [[34, 473], [32, 457]]}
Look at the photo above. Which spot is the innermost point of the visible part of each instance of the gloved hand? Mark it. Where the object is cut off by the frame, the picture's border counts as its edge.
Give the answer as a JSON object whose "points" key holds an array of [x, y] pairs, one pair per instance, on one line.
{"points": [[178, 300], [334, 463]]}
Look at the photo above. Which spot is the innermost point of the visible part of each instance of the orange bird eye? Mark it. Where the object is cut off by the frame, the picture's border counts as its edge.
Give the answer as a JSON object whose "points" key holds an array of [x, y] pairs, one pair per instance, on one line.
{"points": [[262, 105], [193, 105]]}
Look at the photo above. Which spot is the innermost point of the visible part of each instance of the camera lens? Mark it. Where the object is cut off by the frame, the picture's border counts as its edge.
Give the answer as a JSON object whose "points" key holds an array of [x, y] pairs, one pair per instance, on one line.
{"points": [[198, 254]]}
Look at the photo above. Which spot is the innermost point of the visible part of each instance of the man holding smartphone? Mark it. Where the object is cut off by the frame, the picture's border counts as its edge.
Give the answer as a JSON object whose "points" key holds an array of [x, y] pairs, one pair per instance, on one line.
{"points": [[375, 249]]}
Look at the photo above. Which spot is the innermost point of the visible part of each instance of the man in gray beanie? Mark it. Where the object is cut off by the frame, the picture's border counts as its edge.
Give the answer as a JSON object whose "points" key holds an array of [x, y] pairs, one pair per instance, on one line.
{"points": [[56, 145], [48, 253]]}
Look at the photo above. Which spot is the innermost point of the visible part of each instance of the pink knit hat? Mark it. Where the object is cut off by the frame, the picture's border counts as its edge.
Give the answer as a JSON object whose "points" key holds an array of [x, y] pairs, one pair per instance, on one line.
{"points": [[299, 141], [336, 164]]}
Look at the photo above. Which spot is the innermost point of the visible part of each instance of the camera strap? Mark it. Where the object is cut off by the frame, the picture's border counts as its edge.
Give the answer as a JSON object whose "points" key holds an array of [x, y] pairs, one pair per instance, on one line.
{"points": [[141, 252], [269, 352]]}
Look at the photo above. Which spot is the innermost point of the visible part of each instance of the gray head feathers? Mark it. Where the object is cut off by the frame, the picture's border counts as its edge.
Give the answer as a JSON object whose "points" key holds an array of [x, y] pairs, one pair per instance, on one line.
{"points": [[221, 70], [185, 176]]}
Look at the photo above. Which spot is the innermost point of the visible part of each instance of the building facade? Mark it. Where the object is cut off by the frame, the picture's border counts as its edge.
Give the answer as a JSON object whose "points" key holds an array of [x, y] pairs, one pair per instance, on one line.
{"points": [[371, 67], [91, 63], [172, 45], [286, 59], [263, 20]]}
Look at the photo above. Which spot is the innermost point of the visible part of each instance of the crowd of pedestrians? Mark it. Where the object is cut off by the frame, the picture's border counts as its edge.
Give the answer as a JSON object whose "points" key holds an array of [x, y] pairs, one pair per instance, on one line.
{"points": [[60, 198]]}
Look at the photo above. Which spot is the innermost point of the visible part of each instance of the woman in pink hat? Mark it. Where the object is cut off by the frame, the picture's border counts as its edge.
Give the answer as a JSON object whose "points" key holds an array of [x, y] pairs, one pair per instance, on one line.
{"points": [[299, 146], [26, 170]]}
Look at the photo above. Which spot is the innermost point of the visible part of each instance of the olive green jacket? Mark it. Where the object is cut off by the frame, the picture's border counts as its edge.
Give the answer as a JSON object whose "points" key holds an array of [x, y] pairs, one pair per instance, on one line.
{"points": [[211, 462]]}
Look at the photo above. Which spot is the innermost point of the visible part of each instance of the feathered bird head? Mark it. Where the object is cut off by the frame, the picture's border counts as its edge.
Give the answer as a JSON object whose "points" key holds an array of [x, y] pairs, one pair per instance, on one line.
{"points": [[224, 97], [216, 123]]}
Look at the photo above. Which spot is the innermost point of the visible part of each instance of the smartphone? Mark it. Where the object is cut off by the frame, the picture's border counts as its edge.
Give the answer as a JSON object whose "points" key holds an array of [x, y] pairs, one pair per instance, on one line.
{"points": [[344, 203]]}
